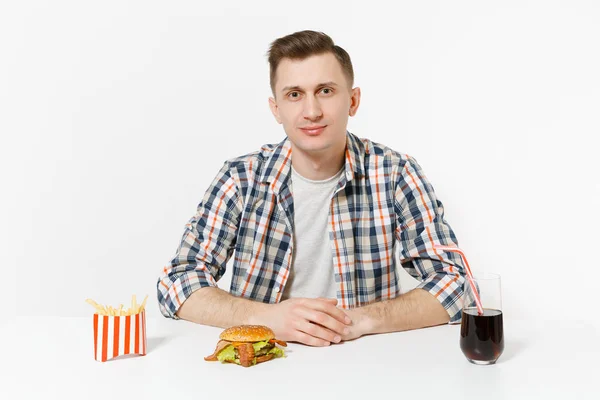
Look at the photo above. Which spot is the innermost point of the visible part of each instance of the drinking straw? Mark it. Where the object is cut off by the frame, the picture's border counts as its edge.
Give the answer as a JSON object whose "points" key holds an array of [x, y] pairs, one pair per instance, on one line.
{"points": [[469, 274]]}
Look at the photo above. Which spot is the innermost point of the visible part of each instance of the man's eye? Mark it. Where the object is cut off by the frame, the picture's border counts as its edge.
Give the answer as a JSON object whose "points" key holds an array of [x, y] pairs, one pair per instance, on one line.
{"points": [[326, 91], [294, 95]]}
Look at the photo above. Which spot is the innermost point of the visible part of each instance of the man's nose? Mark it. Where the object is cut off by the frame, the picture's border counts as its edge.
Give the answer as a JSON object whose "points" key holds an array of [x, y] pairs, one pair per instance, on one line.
{"points": [[312, 108]]}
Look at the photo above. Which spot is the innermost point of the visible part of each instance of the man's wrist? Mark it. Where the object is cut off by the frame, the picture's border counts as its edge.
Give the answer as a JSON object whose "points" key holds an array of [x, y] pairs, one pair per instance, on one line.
{"points": [[363, 322], [256, 314], [369, 323]]}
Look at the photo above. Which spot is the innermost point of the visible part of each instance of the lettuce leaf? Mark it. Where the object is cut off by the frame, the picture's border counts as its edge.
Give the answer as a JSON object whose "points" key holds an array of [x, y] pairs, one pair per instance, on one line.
{"points": [[259, 345], [227, 354], [277, 351]]}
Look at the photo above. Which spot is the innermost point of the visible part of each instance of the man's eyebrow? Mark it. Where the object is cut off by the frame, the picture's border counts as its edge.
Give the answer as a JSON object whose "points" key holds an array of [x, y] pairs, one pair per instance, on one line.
{"points": [[330, 83]]}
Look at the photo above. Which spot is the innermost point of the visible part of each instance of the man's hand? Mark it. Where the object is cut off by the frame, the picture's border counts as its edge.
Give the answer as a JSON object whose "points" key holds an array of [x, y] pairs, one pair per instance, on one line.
{"points": [[413, 310], [315, 322], [360, 325]]}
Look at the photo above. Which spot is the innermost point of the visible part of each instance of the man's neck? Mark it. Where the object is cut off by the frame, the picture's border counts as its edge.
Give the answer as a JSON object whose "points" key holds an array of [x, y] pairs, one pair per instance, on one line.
{"points": [[317, 167]]}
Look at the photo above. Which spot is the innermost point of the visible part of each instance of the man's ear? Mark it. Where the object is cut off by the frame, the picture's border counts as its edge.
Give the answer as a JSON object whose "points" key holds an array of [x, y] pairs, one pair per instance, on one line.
{"points": [[274, 109], [354, 101]]}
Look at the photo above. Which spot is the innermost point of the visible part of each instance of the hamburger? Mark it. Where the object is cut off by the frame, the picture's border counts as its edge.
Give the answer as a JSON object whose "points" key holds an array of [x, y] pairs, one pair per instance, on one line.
{"points": [[247, 345]]}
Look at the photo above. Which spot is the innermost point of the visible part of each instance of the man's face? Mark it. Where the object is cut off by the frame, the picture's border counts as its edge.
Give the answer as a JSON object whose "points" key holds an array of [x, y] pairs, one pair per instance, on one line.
{"points": [[314, 93]]}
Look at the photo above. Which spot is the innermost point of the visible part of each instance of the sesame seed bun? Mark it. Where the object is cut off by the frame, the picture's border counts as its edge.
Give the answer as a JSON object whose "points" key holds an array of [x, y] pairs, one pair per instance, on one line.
{"points": [[247, 333]]}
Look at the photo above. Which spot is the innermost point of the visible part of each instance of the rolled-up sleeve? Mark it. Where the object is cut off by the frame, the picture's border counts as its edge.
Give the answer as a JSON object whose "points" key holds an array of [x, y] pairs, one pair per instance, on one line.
{"points": [[206, 245], [420, 227]]}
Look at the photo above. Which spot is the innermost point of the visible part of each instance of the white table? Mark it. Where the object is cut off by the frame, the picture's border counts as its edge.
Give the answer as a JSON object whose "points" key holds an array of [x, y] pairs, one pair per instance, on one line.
{"points": [[53, 358]]}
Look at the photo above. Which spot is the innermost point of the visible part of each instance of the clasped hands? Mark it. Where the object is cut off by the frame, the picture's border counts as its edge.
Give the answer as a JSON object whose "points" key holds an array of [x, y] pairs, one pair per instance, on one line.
{"points": [[314, 322]]}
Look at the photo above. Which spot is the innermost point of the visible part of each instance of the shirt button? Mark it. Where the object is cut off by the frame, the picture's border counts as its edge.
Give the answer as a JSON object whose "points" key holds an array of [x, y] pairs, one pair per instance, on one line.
{"points": [[277, 289]]}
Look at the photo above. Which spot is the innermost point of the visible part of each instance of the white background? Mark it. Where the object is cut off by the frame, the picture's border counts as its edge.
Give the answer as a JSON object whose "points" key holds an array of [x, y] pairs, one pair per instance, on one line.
{"points": [[115, 116]]}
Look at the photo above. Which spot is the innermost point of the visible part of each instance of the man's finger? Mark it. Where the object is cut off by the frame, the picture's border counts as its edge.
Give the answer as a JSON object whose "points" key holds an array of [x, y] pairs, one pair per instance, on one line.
{"points": [[333, 301], [332, 327], [331, 309], [318, 332], [304, 338]]}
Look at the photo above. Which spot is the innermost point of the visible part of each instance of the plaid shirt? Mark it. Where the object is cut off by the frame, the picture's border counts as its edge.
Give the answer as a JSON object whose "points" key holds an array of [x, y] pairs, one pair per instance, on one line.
{"points": [[383, 199]]}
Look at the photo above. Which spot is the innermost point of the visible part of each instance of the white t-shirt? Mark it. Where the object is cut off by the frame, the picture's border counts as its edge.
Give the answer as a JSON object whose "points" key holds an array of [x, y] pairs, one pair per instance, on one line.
{"points": [[312, 263]]}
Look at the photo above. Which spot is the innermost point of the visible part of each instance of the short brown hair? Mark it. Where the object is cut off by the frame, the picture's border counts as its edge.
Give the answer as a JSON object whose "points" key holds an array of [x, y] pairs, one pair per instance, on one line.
{"points": [[303, 44]]}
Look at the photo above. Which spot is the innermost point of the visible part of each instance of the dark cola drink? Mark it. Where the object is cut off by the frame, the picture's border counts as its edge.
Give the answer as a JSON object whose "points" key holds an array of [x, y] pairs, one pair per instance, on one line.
{"points": [[482, 336]]}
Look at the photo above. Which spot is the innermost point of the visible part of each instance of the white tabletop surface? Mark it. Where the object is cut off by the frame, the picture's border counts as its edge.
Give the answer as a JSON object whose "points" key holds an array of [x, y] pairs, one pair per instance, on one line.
{"points": [[45, 357]]}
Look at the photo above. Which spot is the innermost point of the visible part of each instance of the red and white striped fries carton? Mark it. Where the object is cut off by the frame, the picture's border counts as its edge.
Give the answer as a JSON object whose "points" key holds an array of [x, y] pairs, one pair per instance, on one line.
{"points": [[119, 335]]}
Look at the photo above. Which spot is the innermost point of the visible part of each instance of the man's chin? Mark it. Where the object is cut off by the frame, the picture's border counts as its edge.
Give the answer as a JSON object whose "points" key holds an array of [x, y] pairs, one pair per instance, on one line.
{"points": [[316, 145], [314, 148]]}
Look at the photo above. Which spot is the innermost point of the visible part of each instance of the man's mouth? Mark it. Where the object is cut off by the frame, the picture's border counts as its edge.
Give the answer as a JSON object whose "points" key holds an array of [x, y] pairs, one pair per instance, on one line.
{"points": [[313, 130]]}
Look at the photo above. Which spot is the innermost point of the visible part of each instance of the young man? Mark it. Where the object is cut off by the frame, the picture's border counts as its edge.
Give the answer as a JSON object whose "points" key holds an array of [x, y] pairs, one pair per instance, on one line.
{"points": [[314, 220]]}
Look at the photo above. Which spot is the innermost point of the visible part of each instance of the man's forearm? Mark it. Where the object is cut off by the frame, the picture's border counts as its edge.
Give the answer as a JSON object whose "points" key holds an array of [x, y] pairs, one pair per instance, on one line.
{"points": [[413, 310], [216, 307]]}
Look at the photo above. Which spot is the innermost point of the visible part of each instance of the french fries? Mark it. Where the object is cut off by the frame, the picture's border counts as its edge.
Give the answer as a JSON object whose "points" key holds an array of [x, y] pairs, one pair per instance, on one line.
{"points": [[120, 312]]}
